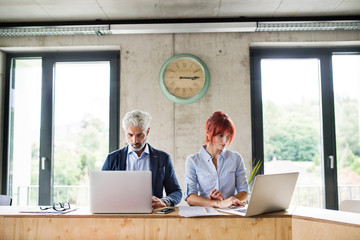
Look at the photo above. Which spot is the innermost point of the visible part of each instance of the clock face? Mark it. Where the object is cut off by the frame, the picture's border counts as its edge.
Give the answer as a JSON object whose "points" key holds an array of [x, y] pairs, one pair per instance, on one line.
{"points": [[184, 78]]}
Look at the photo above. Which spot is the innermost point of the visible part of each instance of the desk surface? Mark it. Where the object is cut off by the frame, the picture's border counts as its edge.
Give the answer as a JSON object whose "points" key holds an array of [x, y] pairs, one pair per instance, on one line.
{"points": [[315, 214], [7, 211], [81, 224], [325, 215]]}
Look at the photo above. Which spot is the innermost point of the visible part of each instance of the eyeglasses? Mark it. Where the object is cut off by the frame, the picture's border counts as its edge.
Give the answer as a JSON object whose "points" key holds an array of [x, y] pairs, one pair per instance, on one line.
{"points": [[58, 206]]}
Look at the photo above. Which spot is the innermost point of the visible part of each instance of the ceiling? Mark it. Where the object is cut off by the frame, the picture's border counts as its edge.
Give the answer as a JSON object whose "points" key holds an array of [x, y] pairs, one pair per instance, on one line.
{"points": [[30, 11]]}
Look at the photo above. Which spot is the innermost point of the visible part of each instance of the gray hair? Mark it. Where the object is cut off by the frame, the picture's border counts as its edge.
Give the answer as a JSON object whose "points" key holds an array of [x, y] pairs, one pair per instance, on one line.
{"points": [[136, 118]]}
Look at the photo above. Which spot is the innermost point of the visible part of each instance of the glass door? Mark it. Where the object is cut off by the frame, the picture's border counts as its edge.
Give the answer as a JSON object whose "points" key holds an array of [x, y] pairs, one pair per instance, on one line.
{"points": [[63, 120], [24, 131], [305, 117], [292, 124], [346, 77], [81, 129]]}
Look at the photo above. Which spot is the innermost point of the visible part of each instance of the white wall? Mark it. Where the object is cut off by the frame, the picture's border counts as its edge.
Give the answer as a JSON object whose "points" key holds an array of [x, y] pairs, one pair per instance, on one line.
{"points": [[178, 129]]}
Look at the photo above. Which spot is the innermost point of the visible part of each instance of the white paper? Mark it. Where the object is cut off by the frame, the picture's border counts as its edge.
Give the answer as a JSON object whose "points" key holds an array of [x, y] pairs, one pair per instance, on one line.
{"points": [[192, 211], [47, 211]]}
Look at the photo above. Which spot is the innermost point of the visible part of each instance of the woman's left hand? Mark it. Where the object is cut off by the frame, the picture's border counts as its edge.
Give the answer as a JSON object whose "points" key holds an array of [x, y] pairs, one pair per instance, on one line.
{"points": [[231, 201], [216, 195]]}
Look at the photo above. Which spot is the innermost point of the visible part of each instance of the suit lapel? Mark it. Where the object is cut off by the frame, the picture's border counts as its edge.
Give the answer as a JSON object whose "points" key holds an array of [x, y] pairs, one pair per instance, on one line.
{"points": [[154, 163], [123, 157]]}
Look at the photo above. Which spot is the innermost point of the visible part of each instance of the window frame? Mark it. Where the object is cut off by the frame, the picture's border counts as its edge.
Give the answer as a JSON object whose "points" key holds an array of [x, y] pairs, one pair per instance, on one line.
{"points": [[326, 103], [46, 125]]}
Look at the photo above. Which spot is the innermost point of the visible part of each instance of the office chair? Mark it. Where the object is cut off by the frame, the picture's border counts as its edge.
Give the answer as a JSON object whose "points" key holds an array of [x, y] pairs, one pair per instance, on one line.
{"points": [[5, 200], [350, 206]]}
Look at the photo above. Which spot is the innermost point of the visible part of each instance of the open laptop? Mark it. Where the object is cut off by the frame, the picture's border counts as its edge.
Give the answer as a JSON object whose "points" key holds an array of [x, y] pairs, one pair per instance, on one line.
{"points": [[271, 193], [120, 192]]}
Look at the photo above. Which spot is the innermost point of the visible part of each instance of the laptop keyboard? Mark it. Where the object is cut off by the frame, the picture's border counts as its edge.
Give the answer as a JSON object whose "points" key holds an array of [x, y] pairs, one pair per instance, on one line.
{"points": [[242, 210]]}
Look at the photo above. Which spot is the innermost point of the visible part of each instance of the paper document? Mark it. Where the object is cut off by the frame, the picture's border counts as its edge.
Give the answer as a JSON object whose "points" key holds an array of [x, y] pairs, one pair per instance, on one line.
{"points": [[190, 211], [47, 211]]}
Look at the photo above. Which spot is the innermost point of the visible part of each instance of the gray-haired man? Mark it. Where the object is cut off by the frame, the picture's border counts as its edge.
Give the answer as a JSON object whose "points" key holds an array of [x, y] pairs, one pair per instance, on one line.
{"points": [[138, 155]]}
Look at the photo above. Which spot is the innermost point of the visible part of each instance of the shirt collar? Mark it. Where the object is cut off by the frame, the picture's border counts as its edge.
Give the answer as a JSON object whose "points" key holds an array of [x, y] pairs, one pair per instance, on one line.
{"points": [[132, 151], [206, 156]]}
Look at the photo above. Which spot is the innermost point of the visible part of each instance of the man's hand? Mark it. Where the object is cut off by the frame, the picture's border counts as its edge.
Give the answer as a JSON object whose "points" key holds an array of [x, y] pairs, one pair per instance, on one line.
{"points": [[157, 202], [216, 195], [231, 201]]}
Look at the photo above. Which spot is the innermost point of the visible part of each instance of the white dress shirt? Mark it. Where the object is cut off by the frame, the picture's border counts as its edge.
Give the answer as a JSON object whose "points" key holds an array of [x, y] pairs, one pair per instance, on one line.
{"points": [[135, 163]]}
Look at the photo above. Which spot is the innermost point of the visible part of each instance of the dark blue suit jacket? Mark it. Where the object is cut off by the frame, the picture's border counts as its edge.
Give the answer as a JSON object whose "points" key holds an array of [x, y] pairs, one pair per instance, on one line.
{"points": [[163, 174]]}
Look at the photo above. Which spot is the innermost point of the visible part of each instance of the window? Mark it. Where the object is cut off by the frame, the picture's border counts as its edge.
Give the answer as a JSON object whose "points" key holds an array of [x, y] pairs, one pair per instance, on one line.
{"points": [[346, 77], [305, 113], [62, 120]]}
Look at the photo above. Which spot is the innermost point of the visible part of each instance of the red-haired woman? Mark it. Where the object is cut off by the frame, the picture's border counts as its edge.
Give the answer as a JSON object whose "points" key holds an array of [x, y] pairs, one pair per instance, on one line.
{"points": [[215, 176]]}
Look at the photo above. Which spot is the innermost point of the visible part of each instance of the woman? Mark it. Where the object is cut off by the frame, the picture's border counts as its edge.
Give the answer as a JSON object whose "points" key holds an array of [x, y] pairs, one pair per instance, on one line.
{"points": [[216, 177]]}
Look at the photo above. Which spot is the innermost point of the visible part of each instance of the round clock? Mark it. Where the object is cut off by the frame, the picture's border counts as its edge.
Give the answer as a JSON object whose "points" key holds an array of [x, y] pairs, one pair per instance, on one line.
{"points": [[184, 78]]}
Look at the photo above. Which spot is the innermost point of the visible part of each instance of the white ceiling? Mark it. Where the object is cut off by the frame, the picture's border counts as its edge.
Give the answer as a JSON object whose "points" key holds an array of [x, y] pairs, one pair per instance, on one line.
{"points": [[12, 11]]}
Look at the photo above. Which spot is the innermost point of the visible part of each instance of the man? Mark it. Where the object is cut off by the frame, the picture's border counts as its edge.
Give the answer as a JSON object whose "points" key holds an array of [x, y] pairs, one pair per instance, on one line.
{"points": [[138, 155]]}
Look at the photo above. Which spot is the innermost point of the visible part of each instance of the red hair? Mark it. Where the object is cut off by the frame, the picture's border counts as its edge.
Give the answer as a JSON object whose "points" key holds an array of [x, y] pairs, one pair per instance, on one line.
{"points": [[218, 123]]}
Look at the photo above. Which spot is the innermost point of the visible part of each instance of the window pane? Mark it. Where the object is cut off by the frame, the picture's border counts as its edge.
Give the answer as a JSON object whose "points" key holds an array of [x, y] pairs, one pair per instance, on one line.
{"points": [[346, 77], [81, 127], [291, 122], [25, 98]]}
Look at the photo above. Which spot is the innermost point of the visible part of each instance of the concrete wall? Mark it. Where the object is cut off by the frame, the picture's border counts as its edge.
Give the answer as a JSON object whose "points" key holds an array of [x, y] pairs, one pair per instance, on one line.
{"points": [[178, 129], [2, 76]]}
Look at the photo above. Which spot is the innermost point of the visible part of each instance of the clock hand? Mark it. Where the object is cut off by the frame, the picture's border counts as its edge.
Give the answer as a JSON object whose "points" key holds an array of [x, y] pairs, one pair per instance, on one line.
{"points": [[192, 78]]}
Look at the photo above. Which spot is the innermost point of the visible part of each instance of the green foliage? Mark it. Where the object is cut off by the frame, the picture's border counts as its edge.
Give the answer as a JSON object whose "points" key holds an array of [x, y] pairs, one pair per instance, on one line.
{"points": [[356, 167], [348, 158], [348, 133], [290, 133], [76, 156], [347, 124]]}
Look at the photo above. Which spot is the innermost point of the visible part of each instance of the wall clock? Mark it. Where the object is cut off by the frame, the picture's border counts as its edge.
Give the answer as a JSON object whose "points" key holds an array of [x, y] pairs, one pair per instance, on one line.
{"points": [[184, 78]]}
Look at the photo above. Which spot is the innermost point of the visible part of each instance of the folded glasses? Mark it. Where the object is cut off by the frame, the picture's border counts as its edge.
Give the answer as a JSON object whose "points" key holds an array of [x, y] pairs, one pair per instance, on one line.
{"points": [[58, 206]]}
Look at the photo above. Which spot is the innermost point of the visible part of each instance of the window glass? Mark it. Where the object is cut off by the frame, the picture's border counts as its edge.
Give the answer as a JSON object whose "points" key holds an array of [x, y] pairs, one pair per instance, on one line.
{"points": [[25, 103], [81, 127], [346, 77], [292, 124]]}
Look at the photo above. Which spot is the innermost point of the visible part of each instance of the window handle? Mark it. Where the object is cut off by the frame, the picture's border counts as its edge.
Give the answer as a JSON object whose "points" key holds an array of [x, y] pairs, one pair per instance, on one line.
{"points": [[43, 160], [331, 159]]}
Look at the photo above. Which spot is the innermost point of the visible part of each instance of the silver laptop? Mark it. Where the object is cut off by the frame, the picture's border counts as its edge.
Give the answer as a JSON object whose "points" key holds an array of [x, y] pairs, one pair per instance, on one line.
{"points": [[120, 192], [271, 193]]}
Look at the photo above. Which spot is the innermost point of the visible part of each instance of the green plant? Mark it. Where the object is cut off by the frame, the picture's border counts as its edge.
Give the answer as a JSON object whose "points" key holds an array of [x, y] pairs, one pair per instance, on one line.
{"points": [[254, 171]]}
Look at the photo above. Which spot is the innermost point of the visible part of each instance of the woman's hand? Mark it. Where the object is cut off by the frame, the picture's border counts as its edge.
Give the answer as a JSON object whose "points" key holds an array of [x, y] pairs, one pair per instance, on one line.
{"points": [[216, 195], [231, 201]]}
